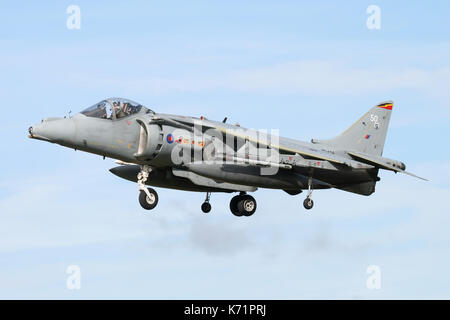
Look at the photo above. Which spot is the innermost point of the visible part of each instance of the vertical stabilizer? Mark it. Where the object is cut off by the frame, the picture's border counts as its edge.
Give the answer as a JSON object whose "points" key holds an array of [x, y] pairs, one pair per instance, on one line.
{"points": [[368, 134]]}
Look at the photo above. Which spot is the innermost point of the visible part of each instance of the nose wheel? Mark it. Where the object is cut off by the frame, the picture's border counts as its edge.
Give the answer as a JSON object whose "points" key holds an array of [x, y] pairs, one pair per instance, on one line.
{"points": [[148, 197], [243, 205]]}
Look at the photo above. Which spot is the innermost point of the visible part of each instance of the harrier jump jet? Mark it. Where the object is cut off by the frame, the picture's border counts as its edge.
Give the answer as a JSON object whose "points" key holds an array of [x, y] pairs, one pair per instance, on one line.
{"points": [[197, 154]]}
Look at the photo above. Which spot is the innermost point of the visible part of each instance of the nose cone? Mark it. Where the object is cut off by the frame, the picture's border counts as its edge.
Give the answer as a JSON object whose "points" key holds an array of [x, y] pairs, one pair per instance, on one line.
{"points": [[55, 130], [128, 172]]}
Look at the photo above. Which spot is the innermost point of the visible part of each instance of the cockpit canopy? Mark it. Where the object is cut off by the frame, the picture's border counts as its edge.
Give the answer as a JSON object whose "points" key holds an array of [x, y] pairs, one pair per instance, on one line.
{"points": [[113, 108]]}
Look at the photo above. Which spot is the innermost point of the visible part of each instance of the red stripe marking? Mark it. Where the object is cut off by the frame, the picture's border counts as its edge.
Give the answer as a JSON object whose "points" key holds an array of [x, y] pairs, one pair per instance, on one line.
{"points": [[387, 106]]}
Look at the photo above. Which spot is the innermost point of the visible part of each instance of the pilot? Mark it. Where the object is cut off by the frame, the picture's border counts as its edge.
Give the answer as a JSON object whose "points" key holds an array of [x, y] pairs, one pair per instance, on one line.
{"points": [[115, 108], [122, 111], [129, 109], [126, 108]]}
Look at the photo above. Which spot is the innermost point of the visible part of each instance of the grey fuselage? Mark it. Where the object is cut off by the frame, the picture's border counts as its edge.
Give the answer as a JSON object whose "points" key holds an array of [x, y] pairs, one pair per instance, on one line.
{"points": [[139, 140]]}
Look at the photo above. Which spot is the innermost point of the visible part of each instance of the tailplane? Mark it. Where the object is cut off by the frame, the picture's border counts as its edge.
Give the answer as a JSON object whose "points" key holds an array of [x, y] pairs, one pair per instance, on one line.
{"points": [[368, 134]]}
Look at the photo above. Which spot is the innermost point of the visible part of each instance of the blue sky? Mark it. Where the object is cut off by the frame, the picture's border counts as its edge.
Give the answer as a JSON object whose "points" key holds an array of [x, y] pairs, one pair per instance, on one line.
{"points": [[307, 69]]}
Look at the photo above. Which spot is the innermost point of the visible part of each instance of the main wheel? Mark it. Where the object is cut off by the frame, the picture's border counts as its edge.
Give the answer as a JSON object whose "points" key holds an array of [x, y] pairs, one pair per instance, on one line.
{"points": [[246, 205], [233, 206], [148, 202], [308, 203], [206, 207]]}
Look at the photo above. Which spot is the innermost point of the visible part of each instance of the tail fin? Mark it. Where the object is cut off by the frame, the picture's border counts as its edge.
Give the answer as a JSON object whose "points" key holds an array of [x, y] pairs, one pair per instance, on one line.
{"points": [[368, 134]]}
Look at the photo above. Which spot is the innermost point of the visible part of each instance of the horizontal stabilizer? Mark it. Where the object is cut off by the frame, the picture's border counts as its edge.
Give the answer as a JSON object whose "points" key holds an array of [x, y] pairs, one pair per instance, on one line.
{"points": [[412, 175], [382, 163]]}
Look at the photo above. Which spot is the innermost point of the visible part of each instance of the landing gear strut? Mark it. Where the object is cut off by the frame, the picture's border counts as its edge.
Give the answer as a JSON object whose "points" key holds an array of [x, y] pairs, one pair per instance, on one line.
{"points": [[206, 206], [308, 203], [243, 205], [148, 198]]}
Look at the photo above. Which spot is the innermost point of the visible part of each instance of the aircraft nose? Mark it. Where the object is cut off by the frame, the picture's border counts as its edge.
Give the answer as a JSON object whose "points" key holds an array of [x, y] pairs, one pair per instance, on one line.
{"points": [[59, 130], [38, 131]]}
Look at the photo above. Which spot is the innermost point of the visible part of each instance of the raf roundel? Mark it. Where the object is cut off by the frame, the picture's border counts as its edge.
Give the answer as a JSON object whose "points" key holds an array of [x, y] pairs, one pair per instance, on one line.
{"points": [[169, 138]]}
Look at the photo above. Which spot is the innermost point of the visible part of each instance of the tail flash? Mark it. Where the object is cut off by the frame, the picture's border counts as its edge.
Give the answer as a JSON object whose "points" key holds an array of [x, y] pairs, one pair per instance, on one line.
{"points": [[368, 134]]}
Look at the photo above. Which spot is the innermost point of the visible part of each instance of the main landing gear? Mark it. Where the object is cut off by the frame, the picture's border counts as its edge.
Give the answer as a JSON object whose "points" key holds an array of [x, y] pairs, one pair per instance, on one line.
{"points": [[240, 205], [148, 198], [243, 205], [308, 203]]}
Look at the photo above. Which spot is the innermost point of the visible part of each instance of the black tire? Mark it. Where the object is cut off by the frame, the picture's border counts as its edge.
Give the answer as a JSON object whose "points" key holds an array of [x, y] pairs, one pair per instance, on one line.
{"points": [[246, 205], [233, 206], [146, 202], [308, 203], [206, 207]]}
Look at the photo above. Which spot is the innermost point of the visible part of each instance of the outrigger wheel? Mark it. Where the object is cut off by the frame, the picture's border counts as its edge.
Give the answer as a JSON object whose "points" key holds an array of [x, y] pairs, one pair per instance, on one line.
{"points": [[308, 203], [206, 206]]}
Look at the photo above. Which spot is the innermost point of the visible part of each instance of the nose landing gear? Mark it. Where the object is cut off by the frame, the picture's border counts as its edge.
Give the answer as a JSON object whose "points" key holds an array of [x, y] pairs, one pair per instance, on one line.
{"points": [[148, 197]]}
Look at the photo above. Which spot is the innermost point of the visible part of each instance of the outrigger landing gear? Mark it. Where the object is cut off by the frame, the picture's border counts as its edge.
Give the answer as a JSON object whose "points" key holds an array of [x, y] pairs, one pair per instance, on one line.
{"points": [[206, 206], [148, 198], [243, 205], [308, 203]]}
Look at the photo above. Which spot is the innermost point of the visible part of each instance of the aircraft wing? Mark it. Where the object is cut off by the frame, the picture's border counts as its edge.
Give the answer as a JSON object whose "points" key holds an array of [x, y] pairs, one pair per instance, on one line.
{"points": [[302, 151], [188, 124]]}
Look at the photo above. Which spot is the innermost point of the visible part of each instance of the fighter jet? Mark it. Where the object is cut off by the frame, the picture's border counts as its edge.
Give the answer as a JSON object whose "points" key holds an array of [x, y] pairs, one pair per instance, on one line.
{"points": [[202, 155]]}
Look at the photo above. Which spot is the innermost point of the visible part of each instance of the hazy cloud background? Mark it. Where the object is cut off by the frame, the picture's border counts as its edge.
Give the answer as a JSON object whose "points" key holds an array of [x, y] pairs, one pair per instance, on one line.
{"points": [[309, 70]]}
